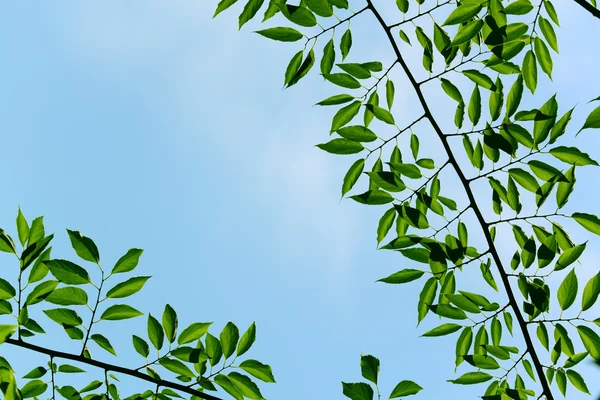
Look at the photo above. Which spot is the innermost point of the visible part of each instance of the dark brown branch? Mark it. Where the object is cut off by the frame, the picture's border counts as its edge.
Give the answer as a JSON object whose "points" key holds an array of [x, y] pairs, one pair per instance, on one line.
{"points": [[110, 367], [505, 281], [592, 10]]}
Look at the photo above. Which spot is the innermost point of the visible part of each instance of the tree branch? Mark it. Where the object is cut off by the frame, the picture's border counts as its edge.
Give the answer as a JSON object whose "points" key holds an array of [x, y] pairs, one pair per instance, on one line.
{"points": [[110, 367], [592, 10], [505, 281]]}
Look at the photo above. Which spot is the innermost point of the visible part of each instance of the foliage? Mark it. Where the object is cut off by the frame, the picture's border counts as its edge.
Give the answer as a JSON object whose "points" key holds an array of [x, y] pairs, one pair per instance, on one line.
{"points": [[78, 297], [497, 52]]}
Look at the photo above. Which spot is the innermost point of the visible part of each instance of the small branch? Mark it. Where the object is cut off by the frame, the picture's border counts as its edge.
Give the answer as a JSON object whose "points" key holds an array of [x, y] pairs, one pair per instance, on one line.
{"points": [[396, 135], [336, 25], [87, 335], [426, 182], [526, 218], [590, 8], [420, 15], [110, 367], [483, 321], [479, 257], [468, 60], [550, 321], [513, 162]]}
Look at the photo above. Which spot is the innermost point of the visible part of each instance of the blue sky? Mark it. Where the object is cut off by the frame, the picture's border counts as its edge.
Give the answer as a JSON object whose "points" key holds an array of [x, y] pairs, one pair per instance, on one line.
{"points": [[147, 124]]}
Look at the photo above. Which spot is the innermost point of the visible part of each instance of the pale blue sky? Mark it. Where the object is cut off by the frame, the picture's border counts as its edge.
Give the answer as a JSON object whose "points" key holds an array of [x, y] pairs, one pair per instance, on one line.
{"points": [[148, 124]]}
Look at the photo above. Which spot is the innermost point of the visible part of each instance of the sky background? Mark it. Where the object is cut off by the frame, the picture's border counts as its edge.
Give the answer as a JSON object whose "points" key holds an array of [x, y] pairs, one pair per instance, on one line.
{"points": [[150, 125]]}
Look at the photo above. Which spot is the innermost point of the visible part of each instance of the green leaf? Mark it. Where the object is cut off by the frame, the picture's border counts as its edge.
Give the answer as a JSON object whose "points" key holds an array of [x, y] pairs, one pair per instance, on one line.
{"points": [[519, 7], [293, 69], [141, 346], [68, 296], [389, 93], [577, 381], [588, 221], [467, 32], [36, 230], [304, 68], [6, 331], [592, 121], [356, 70], [343, 80], [442, 330], [471, 378], [229, 338], [320, 7], [357, 391], [463, 13], [357, 133], [409, 170], [405, 388], [335, 100], [33, 389], [247, 340], [127, 288], [569, 256], [426, 298], [223, 5], [156, 333], [369, 366], [530, 71], [403, 276], [84, 246], [548, 32], [514, 97], [381, 113], [451, 90], [543, 56], [103, 343], [7, 291], [258, 370], [373, 197], [567, 292], [482, 361], [245, 386], [213, 349], [22, 228], [542, 334], [128, 262], [68, 272], [119, 312], [228, 386], [344, 115], [341, 146], [6, 243], [40, 292], [480, 79], [328, 59], [35, 373], [282, 34], [525, 179], [176, 367], [590, 341], [64, 316], [249, 11], [385, 224], [193, 332], [475, 106], [572, 155], [352, 175], [346, 43], [590, 293], [170, 323], [561, 126]]}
